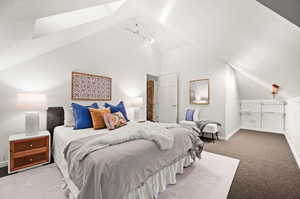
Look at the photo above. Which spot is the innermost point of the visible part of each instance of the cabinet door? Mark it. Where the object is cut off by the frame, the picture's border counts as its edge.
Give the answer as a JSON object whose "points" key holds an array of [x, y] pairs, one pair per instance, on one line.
{"points": [[250, 120], [273, 121]]}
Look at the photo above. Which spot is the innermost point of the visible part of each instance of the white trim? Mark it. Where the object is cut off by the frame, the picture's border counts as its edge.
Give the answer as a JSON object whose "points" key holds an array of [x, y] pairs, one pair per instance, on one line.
{"points": [[229, 135], [263, 130], [232, 133], [293, 149], [3, 164]]}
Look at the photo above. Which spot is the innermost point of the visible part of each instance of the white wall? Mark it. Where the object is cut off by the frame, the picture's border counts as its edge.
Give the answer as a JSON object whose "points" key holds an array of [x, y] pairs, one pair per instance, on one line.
{"points": [[191, 63], [115, 53], [232, 103], [292, 126], [243, 33]]}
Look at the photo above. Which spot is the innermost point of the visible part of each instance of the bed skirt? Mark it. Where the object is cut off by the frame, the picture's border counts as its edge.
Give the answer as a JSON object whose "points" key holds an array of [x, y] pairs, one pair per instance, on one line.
{"points": [[159, 181], [149, 190]]}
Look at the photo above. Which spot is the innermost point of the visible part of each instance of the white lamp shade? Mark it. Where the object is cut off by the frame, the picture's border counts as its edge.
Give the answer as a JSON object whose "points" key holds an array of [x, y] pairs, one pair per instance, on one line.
{"points": [[135, 102], [31, 102]]}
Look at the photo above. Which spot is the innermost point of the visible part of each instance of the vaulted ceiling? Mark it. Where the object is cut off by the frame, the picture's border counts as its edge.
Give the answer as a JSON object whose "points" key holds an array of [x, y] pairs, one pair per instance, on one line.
{"points": [[289, 9], [245, 34], [17, 20]]}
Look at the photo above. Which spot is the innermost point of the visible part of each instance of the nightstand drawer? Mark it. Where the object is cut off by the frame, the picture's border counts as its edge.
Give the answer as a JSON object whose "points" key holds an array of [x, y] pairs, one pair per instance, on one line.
{"points": [[28, 151], [30, 160], [29, 144]]}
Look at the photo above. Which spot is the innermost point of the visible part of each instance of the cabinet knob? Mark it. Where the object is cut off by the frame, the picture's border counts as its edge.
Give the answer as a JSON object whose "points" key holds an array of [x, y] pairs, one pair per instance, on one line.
{"points": [[30, 160], [30, 145]]}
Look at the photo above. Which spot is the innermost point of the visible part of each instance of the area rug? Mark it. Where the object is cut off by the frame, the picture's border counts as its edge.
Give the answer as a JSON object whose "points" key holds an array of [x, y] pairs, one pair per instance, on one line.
{"points": [[209, 178]]}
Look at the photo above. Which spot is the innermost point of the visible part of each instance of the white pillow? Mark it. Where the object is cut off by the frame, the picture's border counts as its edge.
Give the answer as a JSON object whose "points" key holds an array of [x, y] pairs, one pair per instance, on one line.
{"points": [[196, 116], [69, 117]]}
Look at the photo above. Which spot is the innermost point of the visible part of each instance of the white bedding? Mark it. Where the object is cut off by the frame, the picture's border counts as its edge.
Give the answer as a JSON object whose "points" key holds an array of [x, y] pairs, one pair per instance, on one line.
{"points": [[61, 138], [64, 135]]}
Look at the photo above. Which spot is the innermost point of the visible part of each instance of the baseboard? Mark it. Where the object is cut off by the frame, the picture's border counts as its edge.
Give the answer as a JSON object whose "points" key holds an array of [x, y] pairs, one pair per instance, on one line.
{"points": [[3, 164], [263, 130], [232, 133], [292, 147]]}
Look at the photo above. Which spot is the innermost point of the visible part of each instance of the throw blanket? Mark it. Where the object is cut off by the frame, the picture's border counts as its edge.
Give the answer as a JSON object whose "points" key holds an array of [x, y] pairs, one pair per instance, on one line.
{"points": [[155, 132], [202, 124], [102, 172]]}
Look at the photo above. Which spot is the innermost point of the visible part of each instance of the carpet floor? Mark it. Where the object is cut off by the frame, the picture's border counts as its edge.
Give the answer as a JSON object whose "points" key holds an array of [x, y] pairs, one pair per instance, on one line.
{"points": [[267, 168], [209, 178]]}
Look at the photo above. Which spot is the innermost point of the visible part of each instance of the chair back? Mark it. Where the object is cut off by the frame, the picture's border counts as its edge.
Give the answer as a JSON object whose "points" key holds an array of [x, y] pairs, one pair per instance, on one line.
{"points": [[196, 116]]}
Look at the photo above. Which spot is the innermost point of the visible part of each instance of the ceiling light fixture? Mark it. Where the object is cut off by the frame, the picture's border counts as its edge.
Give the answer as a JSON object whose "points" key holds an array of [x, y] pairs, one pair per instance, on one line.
{"points": [[139, 31]]}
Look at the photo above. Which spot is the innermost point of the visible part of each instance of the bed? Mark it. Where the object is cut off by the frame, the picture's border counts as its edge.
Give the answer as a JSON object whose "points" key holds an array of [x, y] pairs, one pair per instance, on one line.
{"points": [[135, 169]]}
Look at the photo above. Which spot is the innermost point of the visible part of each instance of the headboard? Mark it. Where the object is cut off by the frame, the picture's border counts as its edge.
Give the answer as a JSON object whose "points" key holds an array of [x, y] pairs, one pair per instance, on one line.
{"points": [[55, 117]]}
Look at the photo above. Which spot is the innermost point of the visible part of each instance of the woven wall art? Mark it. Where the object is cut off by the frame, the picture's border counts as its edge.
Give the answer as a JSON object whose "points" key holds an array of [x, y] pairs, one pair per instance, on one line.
{"points": [[90, 87]]}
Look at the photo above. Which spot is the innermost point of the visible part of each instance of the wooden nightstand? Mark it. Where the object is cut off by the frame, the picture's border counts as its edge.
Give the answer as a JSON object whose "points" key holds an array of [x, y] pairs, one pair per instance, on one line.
{"points": [[28, 151]]}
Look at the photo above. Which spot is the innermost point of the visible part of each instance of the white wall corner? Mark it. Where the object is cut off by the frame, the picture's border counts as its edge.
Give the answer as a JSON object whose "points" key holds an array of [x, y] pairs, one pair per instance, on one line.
{"points": [[293, 149], [232, 104], [232, 133], [292, 128], [227, 137], [3, 164]]}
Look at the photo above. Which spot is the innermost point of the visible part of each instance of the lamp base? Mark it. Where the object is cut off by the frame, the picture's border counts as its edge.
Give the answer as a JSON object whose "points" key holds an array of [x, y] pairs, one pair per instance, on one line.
{"points": [[32, 123]]}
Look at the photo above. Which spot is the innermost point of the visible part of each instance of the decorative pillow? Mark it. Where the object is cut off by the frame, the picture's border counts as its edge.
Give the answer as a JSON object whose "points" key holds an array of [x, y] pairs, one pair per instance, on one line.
{"points": [[82, 116], [118, 108], [196, 116], [97, 117], [69, 117], [114, 120], [189, 115]]}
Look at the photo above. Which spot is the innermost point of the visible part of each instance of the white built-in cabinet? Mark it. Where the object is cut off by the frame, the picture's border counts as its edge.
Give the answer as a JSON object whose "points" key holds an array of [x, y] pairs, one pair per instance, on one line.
{"points": [[263, 115]]}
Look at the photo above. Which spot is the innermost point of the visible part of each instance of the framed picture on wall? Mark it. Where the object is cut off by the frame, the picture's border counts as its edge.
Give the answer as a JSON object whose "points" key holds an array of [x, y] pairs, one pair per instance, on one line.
{"points": [[90, 87], [199, 91]]}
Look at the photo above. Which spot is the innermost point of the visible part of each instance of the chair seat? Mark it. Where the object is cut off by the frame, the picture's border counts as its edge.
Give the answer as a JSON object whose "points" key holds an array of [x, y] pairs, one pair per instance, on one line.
{"points": [[209, 128], [187, 124]]}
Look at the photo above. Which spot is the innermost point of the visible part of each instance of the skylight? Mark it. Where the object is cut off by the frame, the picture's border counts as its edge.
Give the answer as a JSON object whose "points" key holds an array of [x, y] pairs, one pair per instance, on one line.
{"points": [[59, 22]]}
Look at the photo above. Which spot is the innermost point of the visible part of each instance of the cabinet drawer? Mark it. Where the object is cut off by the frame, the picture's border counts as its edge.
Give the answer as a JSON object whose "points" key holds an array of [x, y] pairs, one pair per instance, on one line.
{"points": [[29, 144], [30, 160]]}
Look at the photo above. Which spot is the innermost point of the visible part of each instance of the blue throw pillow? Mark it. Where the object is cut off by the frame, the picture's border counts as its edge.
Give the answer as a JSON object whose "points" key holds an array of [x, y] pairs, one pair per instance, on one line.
{"points": [[189, 115], [118, 108], [82, 116]]}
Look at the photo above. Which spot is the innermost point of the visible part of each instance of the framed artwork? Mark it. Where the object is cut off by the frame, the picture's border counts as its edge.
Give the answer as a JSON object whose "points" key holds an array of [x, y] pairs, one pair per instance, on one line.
{"points": [[199, 91], [90, 87]]}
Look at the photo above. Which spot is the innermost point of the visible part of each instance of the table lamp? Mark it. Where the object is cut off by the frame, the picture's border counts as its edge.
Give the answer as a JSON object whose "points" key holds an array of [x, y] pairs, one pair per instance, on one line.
{"points": [[32, 104], [136, 104]]}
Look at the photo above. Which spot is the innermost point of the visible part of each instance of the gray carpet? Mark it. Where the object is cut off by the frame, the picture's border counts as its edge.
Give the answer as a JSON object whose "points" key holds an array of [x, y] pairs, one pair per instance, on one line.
{"points": [[267, 168], [209, 178]]}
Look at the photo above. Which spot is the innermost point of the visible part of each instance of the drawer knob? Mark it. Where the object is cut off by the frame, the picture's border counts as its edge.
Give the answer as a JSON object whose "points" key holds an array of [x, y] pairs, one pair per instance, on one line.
{"points": [[30, 160], [30, 145]]}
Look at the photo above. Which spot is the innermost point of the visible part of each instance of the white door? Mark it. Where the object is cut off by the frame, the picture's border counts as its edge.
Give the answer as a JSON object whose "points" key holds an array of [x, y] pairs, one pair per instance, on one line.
{"points": [[167, 98]]}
